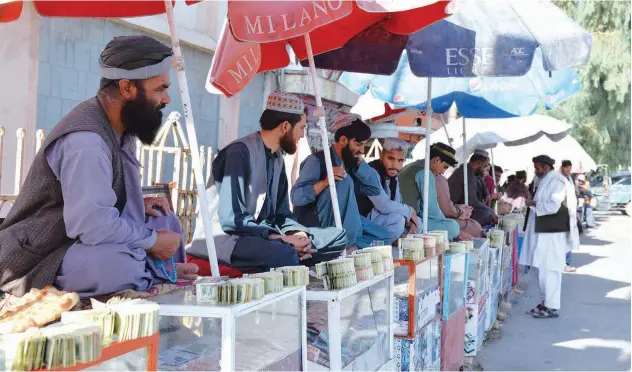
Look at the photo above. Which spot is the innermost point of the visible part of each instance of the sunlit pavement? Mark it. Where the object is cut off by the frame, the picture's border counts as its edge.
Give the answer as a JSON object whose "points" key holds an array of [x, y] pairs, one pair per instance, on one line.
{"points": [[593, 330]]}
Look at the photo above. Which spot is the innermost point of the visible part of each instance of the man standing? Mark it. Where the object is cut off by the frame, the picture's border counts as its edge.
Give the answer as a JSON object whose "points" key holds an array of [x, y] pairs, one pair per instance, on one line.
{"points": [[253, 226], [480, 212], [566, 168], [549, 234], [80, 221], [311, 197], [441, 158], [387, 209]]}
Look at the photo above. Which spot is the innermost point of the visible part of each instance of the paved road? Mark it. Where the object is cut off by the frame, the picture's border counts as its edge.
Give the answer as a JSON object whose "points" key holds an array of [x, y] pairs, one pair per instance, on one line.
{"points": [[593, 331]]}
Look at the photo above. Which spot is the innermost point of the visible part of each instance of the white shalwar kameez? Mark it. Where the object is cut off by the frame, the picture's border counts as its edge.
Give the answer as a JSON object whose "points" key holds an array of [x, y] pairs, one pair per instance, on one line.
{"points": [[547, 251]]}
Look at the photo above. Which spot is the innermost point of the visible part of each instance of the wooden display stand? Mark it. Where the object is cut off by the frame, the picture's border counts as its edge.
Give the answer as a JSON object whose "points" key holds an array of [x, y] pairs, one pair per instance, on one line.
{"points": [[117, 349]]}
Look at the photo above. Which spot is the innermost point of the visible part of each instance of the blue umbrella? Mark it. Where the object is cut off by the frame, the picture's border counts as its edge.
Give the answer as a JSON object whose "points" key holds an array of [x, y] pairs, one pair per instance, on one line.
{"points": [[493, 58], [476, 97]]}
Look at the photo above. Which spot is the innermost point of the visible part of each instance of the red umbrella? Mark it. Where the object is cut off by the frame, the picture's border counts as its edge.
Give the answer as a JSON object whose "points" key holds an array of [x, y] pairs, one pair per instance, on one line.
{"points": [[10, 11], [257, 33]]}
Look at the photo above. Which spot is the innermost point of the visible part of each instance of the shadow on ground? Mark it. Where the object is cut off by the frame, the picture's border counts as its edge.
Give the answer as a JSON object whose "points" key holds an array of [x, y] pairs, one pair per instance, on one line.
{"points": [[593, 331]]}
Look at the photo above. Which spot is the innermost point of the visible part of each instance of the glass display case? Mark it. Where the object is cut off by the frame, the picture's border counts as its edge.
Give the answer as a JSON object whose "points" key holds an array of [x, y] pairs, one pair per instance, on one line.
{"points": [[493, 269], [452, 341], [422, 352], [454, 284], [506, 266], [491, 311], [351, 329], [417, 295], [477, 271], [269, 334], [475, 321]]}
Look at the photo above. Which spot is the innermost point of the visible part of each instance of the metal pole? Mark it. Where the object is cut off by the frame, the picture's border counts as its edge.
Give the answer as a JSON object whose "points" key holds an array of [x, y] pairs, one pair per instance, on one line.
{"points": [[427, 161], [324, 135], [195, 148], [465, 188]]}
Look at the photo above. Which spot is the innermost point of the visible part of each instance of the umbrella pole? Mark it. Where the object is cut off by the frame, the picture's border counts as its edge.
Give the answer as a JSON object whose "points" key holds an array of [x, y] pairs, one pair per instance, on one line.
{"points": [[427, 161], [195, 155], [494, 177], [465, 188], [324, 135]]}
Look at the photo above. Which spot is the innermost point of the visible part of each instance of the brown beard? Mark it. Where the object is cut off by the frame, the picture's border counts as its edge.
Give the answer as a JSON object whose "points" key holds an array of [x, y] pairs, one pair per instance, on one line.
{"points": [[287, 143]]}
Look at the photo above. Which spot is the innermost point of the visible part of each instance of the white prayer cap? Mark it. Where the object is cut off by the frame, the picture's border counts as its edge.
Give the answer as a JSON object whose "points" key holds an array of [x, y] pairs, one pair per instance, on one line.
{"points": [[285, 102], [481, 152], [391, 144]]}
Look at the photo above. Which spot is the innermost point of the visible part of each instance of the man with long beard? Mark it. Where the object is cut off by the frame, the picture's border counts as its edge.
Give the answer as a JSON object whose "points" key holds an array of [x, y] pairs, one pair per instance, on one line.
{"points": [[253, 227], [549, 234], [80, 221], [311, 197], [387, 209]]}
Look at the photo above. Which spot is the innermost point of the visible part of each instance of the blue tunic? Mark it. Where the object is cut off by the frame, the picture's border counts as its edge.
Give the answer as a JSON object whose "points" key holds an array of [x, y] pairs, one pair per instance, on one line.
{"points": [[361, 232], [109, 254], [436, 219]]}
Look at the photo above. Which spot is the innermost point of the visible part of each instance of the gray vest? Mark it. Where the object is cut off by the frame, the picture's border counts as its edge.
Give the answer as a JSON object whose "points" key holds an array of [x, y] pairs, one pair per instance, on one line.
{"points": [[33, 238], [256, 184], [408, 186]]}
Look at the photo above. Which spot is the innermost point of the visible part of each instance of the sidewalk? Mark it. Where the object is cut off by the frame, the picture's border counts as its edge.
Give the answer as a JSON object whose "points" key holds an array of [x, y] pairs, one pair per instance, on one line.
{"points": [[593, 330]]}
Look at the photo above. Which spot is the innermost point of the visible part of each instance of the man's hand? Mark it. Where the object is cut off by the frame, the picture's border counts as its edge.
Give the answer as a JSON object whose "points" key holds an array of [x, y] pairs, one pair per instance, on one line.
{"points": [[155, 205], [464, 236], [530, 203], [187, 271], [495, 196], [301, 243], [413, 223], [339, 173], [167, 243], [495, 217]]}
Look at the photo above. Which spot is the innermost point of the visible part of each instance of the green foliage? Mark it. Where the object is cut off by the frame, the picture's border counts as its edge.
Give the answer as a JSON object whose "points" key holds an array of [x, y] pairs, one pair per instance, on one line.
{"points": [[600, 113]]}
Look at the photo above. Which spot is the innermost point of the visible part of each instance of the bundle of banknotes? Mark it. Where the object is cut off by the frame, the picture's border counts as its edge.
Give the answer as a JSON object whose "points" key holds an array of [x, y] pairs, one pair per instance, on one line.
{"points": [[230, 292], [273, 280], [54, 347], [104, 318], [294, 276]]}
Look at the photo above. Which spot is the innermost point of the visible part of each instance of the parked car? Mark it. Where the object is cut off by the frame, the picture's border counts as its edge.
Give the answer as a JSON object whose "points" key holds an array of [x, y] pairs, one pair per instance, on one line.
{"points": [[617, 196]]}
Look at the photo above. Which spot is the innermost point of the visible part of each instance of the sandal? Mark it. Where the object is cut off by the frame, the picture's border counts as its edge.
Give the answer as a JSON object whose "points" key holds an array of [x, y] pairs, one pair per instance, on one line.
{"points": [[570, 269], [536, 309], [545, 313]]}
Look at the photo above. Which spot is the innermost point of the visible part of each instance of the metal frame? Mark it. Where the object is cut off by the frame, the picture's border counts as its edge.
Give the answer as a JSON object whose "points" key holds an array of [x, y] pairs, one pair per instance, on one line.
{"points": [[229, 315], [334, 299]]}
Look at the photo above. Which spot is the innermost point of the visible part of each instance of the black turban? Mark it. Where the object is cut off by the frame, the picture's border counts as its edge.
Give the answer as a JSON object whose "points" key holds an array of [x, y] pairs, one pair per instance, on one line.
{"points": [[544, 159], [127, 53], [444, 152]]}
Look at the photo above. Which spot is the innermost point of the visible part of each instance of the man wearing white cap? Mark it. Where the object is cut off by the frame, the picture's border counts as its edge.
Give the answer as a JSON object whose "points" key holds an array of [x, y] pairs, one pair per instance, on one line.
{"points": [[480, 212], [80, 221], [253, 226], [387, 209], [311, 197]]}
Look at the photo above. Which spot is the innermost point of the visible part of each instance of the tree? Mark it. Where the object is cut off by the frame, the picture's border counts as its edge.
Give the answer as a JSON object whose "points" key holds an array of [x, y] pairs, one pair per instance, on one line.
{"points": [[600, 112]]}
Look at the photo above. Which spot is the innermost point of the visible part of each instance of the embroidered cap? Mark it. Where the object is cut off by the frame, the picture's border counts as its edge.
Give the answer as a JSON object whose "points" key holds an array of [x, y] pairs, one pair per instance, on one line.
{"points": [[285, 102], [343, 121], [444, 152], [391, 144]]}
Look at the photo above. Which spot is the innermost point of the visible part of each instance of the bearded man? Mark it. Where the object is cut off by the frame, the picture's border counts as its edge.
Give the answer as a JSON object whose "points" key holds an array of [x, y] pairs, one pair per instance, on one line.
{"points": [[387, 208], [481, 213], [80, 221], [253, 227], [311, 197], [549, 234]]}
